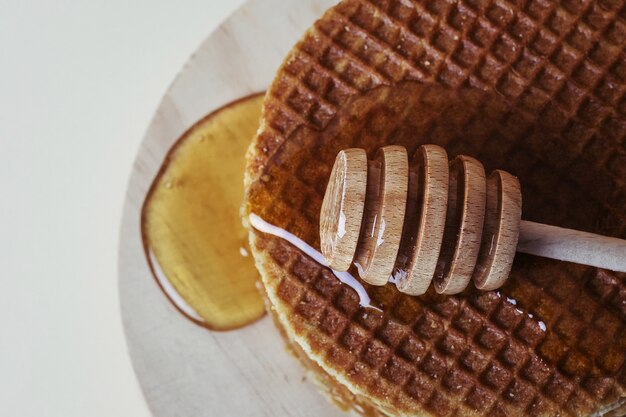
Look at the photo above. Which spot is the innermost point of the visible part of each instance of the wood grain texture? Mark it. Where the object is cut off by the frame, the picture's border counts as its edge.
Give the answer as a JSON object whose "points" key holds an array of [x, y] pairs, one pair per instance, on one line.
{"points": [[385, 208], [432, 164], [500, 234], [183, 369], [342, 208], [466, 204], [572, 246]]}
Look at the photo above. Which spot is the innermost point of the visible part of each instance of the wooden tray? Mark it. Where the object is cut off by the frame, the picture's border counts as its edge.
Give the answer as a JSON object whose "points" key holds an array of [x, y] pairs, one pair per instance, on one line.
{"points": [[183, 369]]}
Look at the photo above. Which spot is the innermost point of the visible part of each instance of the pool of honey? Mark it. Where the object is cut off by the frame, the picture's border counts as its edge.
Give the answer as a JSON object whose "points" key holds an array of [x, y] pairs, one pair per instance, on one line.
{"points": [[193, 237]]}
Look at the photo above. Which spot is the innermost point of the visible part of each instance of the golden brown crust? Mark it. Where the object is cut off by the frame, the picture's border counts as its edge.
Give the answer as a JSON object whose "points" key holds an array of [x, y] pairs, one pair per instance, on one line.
{"points": [[538, 92]]}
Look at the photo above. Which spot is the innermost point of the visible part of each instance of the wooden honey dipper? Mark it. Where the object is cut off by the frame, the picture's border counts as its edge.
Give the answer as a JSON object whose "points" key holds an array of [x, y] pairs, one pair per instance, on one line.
{"points": [[430, 220]]}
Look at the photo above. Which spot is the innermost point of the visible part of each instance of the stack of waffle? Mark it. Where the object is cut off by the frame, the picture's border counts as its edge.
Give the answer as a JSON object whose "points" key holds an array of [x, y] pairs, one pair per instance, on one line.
{"points": [[536, 88]]}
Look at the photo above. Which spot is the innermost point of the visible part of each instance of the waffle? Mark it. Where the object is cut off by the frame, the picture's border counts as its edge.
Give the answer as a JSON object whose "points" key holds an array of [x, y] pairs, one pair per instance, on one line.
{"points": [[536, 88]]}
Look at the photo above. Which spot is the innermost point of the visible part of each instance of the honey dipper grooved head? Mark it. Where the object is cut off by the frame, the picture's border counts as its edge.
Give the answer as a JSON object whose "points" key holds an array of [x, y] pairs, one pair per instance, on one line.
{"points": [[419, 223]]}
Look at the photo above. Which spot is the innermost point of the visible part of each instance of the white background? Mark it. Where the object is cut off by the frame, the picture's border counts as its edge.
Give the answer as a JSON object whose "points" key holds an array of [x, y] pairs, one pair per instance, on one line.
{"points": [[79, 81]]}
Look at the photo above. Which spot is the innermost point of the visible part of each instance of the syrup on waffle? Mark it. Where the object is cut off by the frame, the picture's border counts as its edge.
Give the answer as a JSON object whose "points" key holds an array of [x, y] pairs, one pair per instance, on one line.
{"points": [[536, 89]]}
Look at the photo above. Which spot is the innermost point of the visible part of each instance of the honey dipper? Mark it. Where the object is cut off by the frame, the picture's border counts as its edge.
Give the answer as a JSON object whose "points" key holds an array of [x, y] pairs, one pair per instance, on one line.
{"points": [[429, 220]]}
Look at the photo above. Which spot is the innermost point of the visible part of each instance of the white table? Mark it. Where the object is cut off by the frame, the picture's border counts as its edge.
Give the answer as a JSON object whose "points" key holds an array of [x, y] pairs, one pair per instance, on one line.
{"points": [[79, 82]]}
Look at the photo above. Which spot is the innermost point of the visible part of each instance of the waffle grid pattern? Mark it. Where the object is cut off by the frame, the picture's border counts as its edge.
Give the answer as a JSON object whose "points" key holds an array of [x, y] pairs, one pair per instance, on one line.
{"points": [[476, 354], [449, 350], [503, 364], [319, 76]]}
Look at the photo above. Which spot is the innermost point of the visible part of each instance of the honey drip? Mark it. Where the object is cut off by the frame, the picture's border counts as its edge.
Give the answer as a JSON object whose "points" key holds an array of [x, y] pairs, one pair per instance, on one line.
{"points": [[192, 232]]}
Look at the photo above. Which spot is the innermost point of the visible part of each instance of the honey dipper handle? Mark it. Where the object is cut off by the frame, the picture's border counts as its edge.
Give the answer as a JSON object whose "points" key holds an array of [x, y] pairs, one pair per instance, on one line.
{"points": [[572, 246]]}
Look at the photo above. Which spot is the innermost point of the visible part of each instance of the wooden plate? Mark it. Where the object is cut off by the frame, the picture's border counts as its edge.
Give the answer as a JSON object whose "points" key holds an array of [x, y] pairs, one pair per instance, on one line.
{"points": [[184, 369]]}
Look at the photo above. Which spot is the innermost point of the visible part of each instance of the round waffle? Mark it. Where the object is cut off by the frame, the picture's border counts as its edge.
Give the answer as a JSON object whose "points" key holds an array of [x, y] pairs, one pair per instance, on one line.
{"points": [[536, 88]]}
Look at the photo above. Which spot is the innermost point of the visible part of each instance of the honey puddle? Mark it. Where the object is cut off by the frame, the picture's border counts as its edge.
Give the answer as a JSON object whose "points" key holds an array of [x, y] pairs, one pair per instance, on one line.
{"points": [[194, 241]]}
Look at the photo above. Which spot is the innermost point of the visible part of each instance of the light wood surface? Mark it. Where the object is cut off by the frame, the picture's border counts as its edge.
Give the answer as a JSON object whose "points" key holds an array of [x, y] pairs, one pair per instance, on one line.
{"points": [[387, 180], [183, 369], [500, 235], [468, 227], [432, 172], [338, 238], [572, 246], [466, 197]]}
